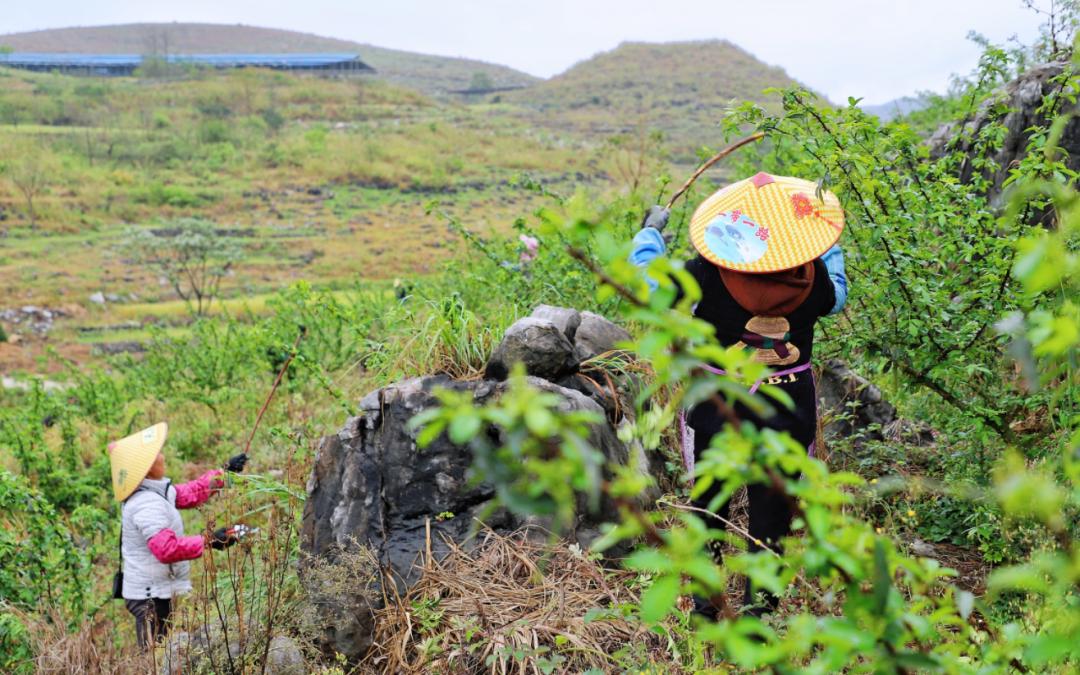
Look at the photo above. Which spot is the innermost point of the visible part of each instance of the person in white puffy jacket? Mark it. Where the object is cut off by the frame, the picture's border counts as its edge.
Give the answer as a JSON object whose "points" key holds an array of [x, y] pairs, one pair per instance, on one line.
{"points": [[153, 548]]}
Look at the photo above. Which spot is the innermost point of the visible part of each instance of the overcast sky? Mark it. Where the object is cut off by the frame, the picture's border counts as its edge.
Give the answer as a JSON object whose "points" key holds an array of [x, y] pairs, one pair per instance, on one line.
{"points": [[877, 49]]}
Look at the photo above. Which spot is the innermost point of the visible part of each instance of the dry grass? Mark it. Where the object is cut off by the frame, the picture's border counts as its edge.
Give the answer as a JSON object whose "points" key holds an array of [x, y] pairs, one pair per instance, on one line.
{"points": [[512, 605], [89, 651]]}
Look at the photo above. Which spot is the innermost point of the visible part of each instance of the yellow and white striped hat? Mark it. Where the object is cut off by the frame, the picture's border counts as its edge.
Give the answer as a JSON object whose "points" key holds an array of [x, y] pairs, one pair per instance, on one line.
{"points": [[133, 456], [766, 223]]}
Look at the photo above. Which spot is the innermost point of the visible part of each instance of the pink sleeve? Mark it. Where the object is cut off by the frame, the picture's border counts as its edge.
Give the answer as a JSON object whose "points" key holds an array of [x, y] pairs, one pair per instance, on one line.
{"points": [[169, 548], [196, 492]]}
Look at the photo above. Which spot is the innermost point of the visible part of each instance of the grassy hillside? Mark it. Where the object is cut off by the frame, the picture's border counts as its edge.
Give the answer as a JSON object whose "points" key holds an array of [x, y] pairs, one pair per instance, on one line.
{"points": [[323, 179], [681, 88], [429, 74]]}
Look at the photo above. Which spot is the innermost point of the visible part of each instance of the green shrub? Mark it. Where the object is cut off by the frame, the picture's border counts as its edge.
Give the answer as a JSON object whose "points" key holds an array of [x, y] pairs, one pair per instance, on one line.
{"points": [[16, 646], [214, 131], [160, 194]]}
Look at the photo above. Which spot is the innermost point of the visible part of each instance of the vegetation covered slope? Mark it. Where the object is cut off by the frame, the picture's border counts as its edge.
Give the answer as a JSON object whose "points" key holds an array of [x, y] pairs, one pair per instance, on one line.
{"points": [[427, 73], [961, 312], [680, 87]]}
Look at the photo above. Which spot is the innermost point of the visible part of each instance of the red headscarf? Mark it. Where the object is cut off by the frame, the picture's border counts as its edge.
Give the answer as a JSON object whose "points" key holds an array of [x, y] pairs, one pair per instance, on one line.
{"points": [[772, 294]]}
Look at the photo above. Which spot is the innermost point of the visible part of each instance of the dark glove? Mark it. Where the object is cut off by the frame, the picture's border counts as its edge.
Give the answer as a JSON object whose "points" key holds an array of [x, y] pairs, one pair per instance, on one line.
{"points": [[224, 537], [236, 463], [656, 217]]}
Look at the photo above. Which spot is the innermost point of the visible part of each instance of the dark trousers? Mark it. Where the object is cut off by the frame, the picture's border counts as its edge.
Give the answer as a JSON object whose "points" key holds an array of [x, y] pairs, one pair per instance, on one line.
{"points": [[151, 619], [770, 521], [769, 511]]}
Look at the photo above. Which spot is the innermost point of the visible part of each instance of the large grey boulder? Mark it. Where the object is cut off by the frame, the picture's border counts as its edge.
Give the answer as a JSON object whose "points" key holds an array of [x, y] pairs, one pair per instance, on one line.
{"points": [[206, 650], [283, 657], [565, 319], [372, 487], [596, 335], [539, 344], [553, 341]]}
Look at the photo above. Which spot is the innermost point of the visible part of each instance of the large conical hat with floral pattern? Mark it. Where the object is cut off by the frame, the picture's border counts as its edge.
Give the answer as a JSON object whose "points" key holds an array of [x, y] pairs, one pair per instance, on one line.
{"points": [[766, 223]]}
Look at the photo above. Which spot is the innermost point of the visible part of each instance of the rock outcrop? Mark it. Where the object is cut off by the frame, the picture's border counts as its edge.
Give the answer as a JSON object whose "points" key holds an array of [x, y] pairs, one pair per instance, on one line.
{"points": [[537, 343], [372, 487], [1022, 99], [853, 407], [206, 650], [377, 502]]}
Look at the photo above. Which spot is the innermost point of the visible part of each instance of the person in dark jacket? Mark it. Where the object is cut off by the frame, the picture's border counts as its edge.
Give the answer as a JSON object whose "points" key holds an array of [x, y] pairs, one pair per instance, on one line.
{"points": [[153, 548], [769, 267]]}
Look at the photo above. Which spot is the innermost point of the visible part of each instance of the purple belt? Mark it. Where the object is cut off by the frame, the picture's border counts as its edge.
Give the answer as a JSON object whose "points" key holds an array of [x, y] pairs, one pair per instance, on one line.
{"points": [[684, 430]]}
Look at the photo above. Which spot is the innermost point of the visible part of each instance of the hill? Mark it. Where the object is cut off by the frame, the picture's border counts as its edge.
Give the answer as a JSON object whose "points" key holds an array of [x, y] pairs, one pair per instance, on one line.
{"points": [[897, 107], [680, 87], [426, 73]]}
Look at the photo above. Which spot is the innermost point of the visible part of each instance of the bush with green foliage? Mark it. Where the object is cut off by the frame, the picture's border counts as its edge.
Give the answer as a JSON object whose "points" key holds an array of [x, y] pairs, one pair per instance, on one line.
{"points": [[190, 253], [933, 265]]}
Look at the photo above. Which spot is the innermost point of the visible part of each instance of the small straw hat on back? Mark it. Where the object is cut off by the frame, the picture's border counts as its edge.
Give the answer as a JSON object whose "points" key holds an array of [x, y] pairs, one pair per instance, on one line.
{"points": [[133, 456], [766, 223]]}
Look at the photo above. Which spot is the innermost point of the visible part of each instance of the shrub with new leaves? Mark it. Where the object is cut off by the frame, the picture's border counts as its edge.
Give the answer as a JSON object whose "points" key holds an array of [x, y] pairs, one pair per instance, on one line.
{"points": [[190, 254]]}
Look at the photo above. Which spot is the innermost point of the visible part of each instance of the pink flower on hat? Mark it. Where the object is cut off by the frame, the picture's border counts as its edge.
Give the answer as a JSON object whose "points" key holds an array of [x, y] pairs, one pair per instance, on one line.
{"points": [[802, 205]]}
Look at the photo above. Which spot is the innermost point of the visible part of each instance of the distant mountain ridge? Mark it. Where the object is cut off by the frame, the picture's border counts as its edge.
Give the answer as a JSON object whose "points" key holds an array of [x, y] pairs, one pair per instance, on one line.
{"points": [[897, 107], [429, 74], [682, 88], [695, 69]]}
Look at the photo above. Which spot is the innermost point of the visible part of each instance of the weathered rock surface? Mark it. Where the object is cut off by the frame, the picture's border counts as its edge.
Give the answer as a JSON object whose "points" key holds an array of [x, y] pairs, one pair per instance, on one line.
{"points": [[565, 319], [859, 410], [204, 650], [119, 347], [596, 335], [535, 341], [37, 320], [539, 344], [371, 486], [1022, 98]]}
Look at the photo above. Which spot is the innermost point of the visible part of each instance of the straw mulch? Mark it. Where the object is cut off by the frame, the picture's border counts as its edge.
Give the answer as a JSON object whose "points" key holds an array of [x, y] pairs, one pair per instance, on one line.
{"points": [[471, 611]]}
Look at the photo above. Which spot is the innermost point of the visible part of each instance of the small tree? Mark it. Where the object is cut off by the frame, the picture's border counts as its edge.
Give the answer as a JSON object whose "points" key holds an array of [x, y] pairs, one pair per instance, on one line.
{"points": [[481, 81], [191, 254], [30, 170]]}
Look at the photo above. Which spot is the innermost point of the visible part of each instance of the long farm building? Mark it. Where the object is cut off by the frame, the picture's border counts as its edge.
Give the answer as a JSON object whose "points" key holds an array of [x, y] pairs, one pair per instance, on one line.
{"points": [[114, 65]]}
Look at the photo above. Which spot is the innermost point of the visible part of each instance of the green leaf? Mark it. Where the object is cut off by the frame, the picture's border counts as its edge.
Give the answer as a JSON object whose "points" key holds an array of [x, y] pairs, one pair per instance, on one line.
{"points": [[430, 432], [1047, 648], [1019, 577], [965, 602], [882, 580], [918, 661], [463, 427], [647, 560], [540, 421], [656, 603]]}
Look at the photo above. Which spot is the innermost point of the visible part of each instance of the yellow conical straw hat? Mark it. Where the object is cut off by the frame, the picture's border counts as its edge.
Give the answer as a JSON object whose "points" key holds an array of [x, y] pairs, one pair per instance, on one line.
{"points": [[766, 223], [133, 456]]}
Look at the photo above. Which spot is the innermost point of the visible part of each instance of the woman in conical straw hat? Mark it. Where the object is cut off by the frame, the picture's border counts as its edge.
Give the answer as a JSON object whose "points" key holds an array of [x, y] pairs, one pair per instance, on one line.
{"points": [[769, 267], [153, 547]]}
